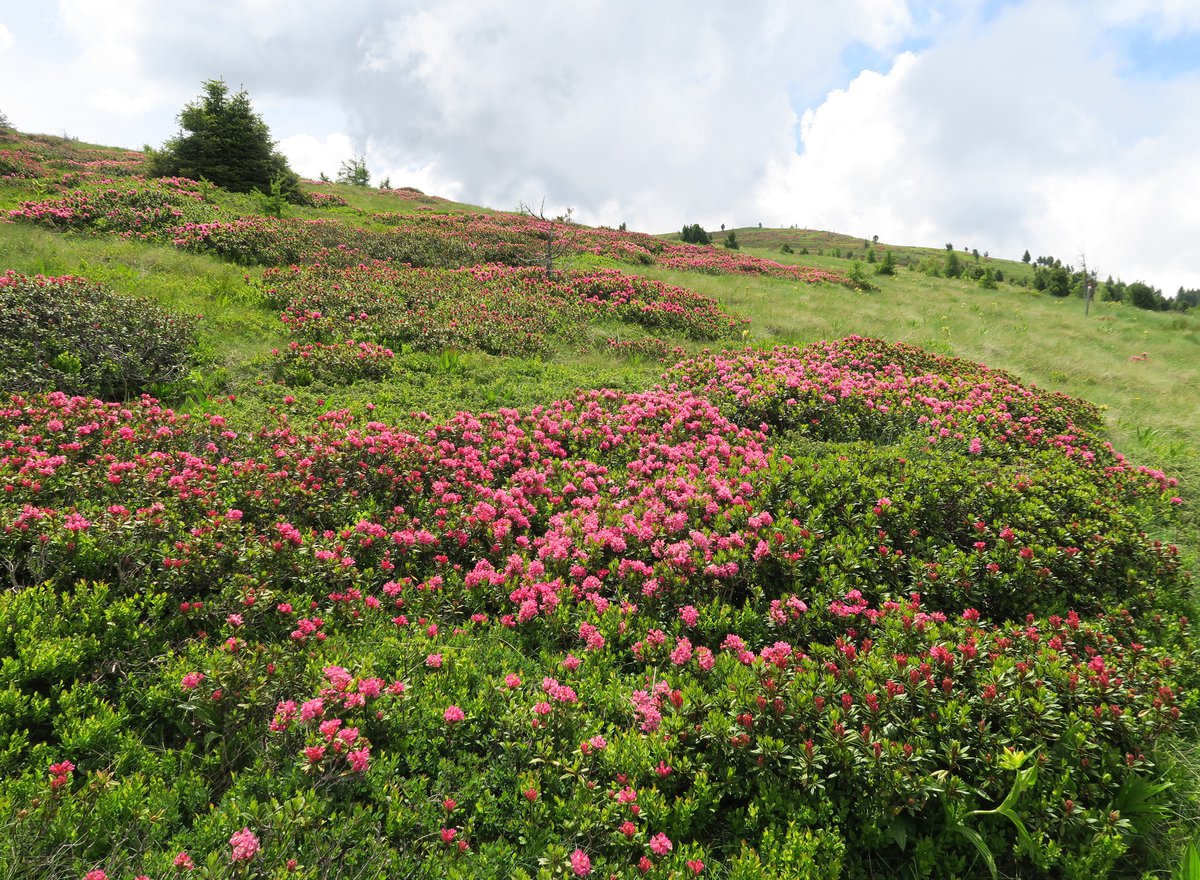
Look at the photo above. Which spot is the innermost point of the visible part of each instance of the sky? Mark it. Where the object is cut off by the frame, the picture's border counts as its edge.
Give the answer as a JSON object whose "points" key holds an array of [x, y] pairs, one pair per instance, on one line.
{"points": [[1069, 128]]}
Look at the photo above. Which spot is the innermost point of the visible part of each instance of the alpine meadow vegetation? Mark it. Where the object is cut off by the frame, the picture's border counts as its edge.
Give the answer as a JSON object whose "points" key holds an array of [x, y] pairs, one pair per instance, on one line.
{"points": [[355, 542]]}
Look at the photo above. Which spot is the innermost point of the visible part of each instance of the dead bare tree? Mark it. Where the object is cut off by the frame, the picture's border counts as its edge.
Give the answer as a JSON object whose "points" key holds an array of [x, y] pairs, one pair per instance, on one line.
{"points": [[558, 235], [1089, 284]]}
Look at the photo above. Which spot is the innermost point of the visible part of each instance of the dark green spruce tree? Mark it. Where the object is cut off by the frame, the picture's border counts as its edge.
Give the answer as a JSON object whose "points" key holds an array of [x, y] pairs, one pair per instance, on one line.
{"points": [[222, 139]]}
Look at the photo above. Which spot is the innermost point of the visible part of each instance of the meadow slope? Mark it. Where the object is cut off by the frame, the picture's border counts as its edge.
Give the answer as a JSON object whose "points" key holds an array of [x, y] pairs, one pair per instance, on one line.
{"points": [[354, 542]]}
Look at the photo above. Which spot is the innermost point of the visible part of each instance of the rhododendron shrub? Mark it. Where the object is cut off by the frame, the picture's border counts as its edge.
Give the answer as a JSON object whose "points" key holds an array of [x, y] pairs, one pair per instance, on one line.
{"points": [[767, 611], [493, 308], [175, 211], [60, 161], [427, 309], [72, 335], [720, 261], [338, 363], [129, 207]]}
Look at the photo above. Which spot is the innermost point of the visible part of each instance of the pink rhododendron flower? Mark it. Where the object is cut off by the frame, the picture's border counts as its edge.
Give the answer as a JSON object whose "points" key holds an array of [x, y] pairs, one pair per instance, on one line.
{"points": [[314, 753], [244, 844], [191, 681], [581, 865], [453, 715], [660, 844]]}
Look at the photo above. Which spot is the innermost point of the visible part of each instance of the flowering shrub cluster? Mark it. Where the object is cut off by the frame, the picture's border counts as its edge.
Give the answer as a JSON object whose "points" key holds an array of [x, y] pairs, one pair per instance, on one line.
{"points": [[492, 308], [675, 632], [175, 212], [336, 363], [325, 200], [428, 309], [456, 240], [630, 298], [72, 335], [130, 207], [648, 347], [19, 163], [520, 239], [49, 158], [718, 261]]}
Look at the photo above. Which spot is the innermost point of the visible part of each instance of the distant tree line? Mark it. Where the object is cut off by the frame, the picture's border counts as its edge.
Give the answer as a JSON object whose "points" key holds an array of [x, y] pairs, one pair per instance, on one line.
{"points": [[951, 265], [695, 234], [1053, 277]]}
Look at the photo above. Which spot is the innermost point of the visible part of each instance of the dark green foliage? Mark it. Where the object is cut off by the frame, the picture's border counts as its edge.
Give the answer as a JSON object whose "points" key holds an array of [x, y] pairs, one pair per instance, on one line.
{"points": [[273, 203], [1144, 296], [66, 334], [888, 265], [695, 234], [1026, 258], [354, 172], [731, 241], [786, 249], [952, 268], [1055, 281], [223, 140], [1187, 299]]}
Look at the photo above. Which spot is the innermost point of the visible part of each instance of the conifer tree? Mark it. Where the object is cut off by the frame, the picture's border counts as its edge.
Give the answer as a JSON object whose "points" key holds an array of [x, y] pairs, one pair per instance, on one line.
{"points": [[222, 139]]}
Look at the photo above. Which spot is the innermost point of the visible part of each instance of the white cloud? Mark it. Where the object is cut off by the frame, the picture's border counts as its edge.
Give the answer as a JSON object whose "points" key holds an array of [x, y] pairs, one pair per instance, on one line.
{"points": [[310, 156], [661, 113], [1024, 135], [6, 38], [1167, 17]]}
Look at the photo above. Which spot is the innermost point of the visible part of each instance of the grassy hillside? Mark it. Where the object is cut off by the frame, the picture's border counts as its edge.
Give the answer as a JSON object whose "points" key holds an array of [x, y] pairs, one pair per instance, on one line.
{"points": [[819, 243], [359, 545]]}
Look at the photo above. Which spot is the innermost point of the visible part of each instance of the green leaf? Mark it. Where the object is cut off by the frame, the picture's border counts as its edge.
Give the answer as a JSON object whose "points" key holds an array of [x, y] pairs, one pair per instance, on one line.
{"points": [[1189, 866], [984, 851]]}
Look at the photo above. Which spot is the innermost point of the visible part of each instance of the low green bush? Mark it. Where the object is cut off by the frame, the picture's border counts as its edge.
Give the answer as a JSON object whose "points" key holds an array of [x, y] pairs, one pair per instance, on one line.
{"points": [[68, 334]]}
